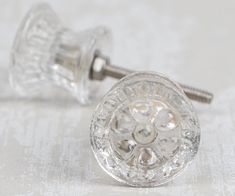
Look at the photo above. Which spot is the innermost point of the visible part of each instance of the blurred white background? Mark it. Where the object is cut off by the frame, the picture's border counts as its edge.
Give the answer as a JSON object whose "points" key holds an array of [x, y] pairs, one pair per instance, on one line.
{"points": [[44, 144]]}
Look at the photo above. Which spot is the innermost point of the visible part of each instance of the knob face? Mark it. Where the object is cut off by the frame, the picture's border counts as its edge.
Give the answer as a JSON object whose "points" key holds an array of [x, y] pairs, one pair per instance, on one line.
{"points": [[145, 130], [32, 49], [45, 52]]}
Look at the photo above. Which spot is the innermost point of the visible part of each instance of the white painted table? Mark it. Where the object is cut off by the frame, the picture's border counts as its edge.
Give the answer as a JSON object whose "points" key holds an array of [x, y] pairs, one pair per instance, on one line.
{"points": [[44, 142]]}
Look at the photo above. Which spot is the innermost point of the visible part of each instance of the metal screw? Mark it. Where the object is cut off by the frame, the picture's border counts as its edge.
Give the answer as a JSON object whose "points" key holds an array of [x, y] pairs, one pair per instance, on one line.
{"points": [[102, 68]]}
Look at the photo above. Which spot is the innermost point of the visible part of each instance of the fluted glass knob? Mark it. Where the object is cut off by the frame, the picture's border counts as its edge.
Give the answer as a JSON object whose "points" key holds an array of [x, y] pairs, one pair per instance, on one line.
{"points": [[45, 52]]}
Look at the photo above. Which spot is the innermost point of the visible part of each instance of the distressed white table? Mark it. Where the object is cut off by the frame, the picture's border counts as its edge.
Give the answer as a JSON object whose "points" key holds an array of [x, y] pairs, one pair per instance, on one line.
{"points": [[44, 142]]}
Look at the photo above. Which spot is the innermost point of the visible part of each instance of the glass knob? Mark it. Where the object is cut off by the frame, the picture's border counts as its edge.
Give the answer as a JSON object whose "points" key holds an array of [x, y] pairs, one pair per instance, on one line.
{"points": [[45, 52]]}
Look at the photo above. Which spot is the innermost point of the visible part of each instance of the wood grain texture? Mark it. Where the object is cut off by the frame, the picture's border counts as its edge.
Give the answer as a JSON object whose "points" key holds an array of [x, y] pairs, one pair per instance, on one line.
{"points": [[44, 141]]}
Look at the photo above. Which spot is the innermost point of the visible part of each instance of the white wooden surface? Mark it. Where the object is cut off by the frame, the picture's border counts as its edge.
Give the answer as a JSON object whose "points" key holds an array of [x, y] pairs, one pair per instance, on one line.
{"points": [[44, 142]]}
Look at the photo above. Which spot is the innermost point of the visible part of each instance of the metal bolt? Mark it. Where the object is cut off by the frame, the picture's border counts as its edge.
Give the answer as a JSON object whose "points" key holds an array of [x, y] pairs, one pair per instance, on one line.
{"points": [[102, 68]]}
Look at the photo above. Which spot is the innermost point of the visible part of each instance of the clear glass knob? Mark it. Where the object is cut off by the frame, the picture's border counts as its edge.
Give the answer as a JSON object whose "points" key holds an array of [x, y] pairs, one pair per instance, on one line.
{"points": [[139, 131], [45, 53]]}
